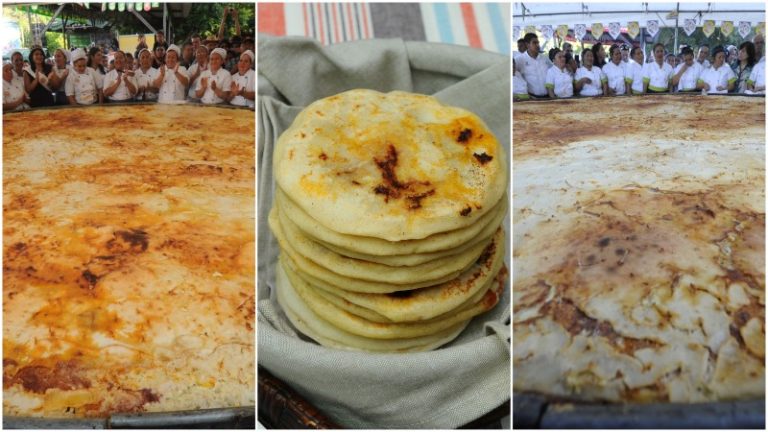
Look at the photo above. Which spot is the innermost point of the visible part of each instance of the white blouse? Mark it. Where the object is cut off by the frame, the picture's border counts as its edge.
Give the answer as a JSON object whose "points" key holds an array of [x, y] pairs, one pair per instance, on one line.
{"points": [[595, 88], [248, 82]]}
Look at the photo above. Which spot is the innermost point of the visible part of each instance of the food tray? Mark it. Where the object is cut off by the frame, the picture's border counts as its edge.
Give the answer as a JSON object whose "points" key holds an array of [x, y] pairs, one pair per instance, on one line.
{"points": [[533, 411], [218, 418]]}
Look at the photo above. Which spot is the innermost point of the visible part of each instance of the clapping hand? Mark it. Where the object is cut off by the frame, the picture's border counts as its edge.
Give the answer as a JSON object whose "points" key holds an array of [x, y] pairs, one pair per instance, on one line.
{"points": [[233, 89], [213, 85], [204, 82]]}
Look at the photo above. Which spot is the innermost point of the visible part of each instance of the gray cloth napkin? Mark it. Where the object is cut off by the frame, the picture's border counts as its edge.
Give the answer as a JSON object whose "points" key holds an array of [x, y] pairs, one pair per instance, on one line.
{"points": [[440, 389]]}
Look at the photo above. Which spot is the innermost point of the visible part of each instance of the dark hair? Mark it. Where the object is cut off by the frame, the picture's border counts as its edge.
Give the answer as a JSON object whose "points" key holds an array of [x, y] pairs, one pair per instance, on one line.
{"points": [[595, 48], [686, 51], [614, 48], [750, 47], [552, 53], [703, 45], [718, 49], [659, 44], [633, 51], [92, 52], [529, 37], [521, 40], [46, 70], [584, 55]]}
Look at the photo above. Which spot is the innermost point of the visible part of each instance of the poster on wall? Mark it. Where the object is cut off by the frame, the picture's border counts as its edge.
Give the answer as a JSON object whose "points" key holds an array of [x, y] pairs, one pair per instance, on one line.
{"points": [[689, 26], [614, 29], [562, 31], [745, 28], [633, 29], [597, 30], [547, 32], [708, 27], [726, 28]]}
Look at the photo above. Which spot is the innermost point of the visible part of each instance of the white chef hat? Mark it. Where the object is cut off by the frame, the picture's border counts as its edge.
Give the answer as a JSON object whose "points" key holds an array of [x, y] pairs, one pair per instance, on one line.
{"points": [[173, 47], [221, 52], [78, 54], [248, 53]]}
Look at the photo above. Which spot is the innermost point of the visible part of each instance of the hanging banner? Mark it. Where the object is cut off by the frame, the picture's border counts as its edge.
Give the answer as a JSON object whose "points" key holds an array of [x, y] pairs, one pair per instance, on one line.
{"points": [[547, 32], [653, 27], [633, 29], [516, 32], [562, 31], [760, 28], [745, 28], [614, 29], [580, 30], [708, 27], [726, 28], [689, 26], [597, 30], [530, 29]]}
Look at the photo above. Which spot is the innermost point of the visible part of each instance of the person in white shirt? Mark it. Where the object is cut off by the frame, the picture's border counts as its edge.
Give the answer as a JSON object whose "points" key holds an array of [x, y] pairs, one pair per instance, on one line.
{"points": [[243, 88], [521, 48], [657, 74], [625, 54], [719, 78], [83, 86], [759, 42], [703, 56], [172, 78], [634, 71], [14, 96], [756, 81], [216, 82], [200, 65], [120, 83], [616, 72], [687, 73], [145, 77], [559, 81], [533, 66], [590, 79], [57, 79], [519, 86]]}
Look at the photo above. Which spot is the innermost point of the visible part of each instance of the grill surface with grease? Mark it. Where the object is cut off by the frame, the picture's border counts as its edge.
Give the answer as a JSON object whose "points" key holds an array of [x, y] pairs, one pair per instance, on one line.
{"points": [[639, 237], [128, 260]]}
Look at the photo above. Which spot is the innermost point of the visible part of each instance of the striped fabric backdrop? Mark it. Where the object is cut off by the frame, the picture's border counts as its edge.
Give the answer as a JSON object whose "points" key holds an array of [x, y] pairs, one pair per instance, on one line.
{"points": [[479, 25]]}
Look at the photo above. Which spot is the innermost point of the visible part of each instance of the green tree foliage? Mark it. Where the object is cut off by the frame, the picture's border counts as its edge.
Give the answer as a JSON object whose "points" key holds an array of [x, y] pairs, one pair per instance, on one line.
{"points": [[205, 18], [53, 41]]}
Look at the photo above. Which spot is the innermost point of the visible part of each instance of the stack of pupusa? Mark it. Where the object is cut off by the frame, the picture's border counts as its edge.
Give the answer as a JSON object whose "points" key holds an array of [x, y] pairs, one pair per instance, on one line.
{"points": [[388, 211]]}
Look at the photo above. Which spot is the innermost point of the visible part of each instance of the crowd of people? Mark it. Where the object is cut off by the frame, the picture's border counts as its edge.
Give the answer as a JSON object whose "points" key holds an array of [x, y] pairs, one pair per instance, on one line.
{"points": [[211, 71], [625, 71]]}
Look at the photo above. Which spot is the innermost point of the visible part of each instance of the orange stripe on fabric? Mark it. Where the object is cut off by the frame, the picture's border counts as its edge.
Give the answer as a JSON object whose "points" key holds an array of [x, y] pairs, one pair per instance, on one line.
{"points": [[272, 18], [470, 25]]}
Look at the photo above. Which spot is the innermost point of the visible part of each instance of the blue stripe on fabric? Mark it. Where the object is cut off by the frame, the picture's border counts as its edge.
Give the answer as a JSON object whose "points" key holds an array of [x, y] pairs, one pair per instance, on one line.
{"points": [[357, 21], [341, 20], [443, 23], [499, 32], [312, 20], [330, 24]]}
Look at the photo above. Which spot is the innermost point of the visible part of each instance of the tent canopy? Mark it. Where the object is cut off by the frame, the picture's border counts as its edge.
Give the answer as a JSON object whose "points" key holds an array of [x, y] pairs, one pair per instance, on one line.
{"points": [[554, 14]]}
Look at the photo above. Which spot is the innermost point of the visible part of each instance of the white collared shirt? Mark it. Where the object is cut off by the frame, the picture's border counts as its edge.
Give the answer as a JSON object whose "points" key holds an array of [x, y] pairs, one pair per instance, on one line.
{"points": [[83, 87], [596, 75], [122, 93], [616, 77], [248, 82], [223, 81], [145, 79], [689, 77], [635, 76], [193, 85], [13, 91], [534, 72], [657, 76], [560, 81], [719, 77], [757, 76], [171, 89]]}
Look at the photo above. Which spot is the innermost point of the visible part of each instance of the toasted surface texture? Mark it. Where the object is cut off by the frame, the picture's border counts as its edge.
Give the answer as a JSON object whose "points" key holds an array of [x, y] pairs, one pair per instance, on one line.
{"points": [[395, 166], [128, 260], [639, 263]]}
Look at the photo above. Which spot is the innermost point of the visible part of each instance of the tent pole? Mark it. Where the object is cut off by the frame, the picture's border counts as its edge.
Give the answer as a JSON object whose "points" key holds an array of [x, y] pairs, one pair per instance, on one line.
{"points": [[677, 27], [141, 18], [58, 11]]}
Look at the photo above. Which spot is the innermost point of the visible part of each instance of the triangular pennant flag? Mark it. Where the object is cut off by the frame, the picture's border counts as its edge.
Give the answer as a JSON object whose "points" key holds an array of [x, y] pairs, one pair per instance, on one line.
{"points": [[760, 28], [633, 29], [726, 28], [708, 27], [597, 30], [111, 6], [580, 30], [516, 32], [689, 26], [562, 31], [745, 28], [653, 27], [547, 32], [530, 29], [614, 29], [121, 7]]}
